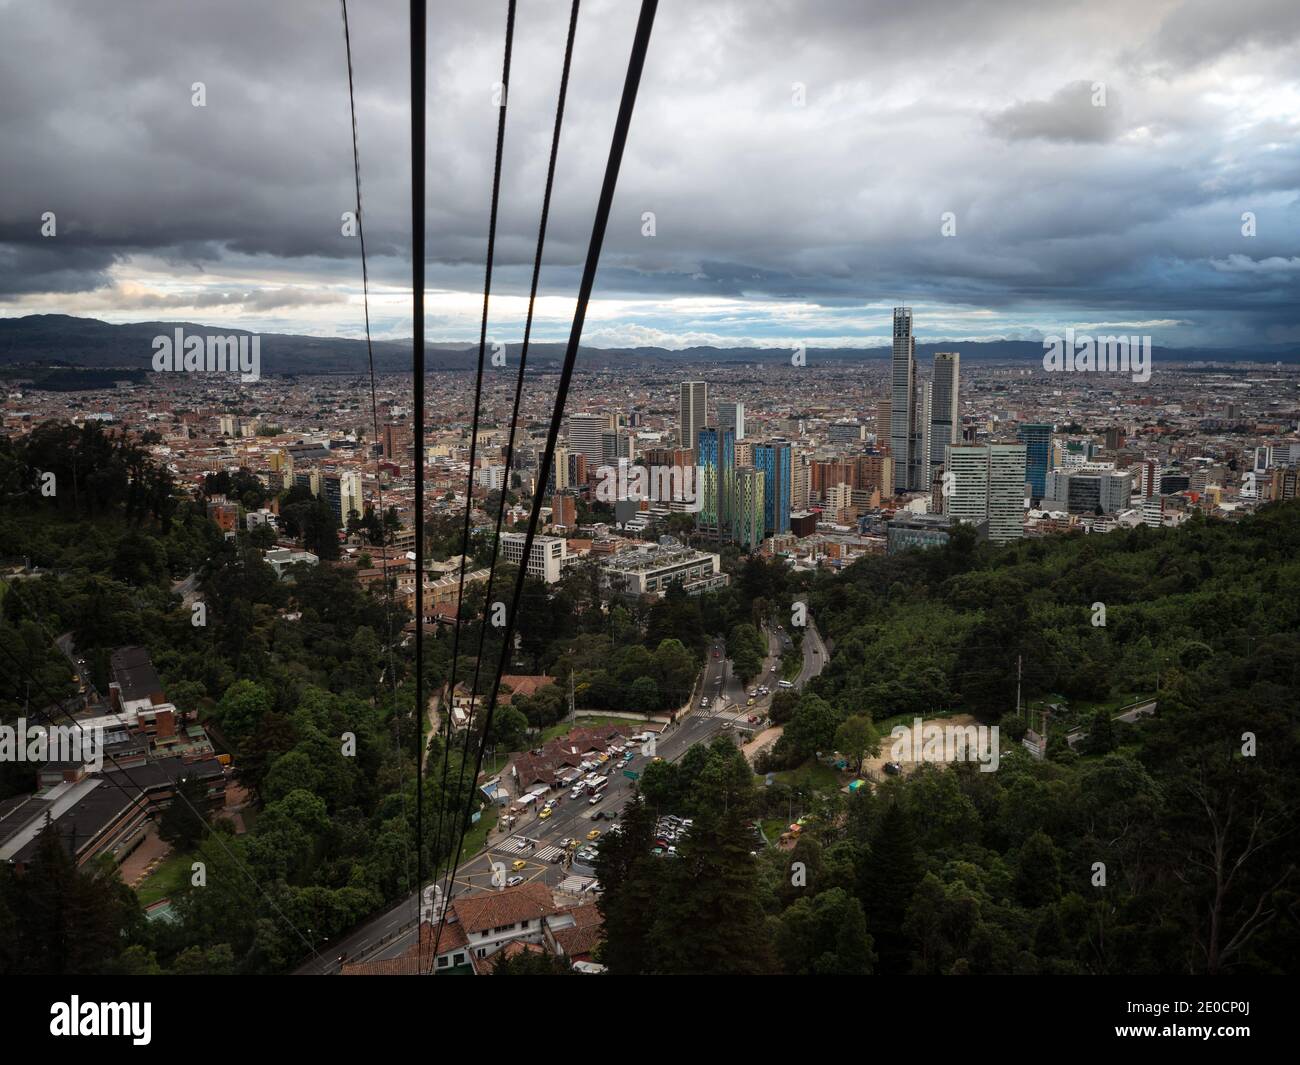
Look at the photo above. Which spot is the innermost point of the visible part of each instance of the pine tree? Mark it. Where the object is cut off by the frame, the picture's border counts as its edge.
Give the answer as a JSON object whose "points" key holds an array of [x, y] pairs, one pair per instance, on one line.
{"points": [[890, 874]]}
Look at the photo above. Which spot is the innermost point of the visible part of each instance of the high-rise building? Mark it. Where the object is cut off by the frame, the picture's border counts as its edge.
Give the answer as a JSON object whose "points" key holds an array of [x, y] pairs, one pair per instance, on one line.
{"points": [[1037, 439], [716, 451], [1006, 512], [615, 444], [342, 491], [945, 418], [986, 483], [396, 441], [774, 460], [1285, 482], [924, 397], [747, 521], [874, 471], [967, 479], [731, 415], [902, 398], [585, 433], [1090, 489], [800, 480], [564, 511], [559, 476], [692, 410]]}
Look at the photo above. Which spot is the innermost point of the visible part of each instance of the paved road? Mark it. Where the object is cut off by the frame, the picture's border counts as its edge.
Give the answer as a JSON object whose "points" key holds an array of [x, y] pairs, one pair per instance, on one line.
{"points": [[394, 931]]}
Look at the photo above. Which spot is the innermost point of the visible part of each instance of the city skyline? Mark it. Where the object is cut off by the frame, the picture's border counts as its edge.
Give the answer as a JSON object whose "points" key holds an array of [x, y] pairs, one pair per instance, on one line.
{"points": [[1135, 222]]}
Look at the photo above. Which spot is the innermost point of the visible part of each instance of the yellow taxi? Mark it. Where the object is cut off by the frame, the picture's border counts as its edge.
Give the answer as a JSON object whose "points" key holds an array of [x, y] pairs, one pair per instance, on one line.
{"points": [[519, 864], [544, 815], [594, 834]]}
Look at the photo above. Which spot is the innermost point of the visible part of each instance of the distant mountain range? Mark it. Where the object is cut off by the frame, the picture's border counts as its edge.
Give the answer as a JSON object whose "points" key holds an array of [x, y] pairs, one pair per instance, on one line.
{"points": [[66, 343]]}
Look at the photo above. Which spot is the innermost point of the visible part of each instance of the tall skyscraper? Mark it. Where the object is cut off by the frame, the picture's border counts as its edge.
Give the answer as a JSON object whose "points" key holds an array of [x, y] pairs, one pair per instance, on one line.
{"points": [[902, 398], [1037, 439], [585, 435], [731, 415], [775, 461], [747, 521], [800, 480], [944, 408], [692, 411], [924, 398], [716, 451]]}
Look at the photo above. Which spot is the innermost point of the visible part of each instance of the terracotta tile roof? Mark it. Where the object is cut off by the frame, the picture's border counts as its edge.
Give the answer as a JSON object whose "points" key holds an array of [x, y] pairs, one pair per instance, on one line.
{"points": [[494, 909], [408, 963], [519, 946], [520, 684], [565, 751], [585, 935]]}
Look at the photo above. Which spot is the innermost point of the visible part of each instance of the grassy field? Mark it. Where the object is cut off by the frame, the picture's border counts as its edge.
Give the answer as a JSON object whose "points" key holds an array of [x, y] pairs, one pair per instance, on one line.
{"points": [[475, 838], [811, 776], [561, 727], [168, 878]]}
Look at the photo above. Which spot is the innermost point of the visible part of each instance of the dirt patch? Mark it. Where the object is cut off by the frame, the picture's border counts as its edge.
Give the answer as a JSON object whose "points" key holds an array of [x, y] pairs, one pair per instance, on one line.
{"points": [[144, 859], [874, 768], [762, 741]]}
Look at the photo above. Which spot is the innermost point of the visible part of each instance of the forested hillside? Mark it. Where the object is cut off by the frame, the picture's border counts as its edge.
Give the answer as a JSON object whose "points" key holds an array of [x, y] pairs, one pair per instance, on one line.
{"points": [[1165, 846]]}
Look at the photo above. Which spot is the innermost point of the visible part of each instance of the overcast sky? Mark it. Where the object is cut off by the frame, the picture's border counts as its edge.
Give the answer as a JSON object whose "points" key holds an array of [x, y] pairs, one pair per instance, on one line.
{"points": [[775, 221]]}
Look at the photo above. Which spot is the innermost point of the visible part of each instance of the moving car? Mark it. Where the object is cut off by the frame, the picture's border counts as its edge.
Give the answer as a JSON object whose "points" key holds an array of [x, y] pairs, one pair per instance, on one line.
{"points": [[518, 864], [593, 834], [545, 814], [514, 881]]}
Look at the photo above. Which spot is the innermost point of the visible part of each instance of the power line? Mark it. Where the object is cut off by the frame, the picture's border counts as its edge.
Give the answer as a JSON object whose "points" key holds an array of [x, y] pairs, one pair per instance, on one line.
{"points": [[418, 30], [473, 441], [374, 414], [636, 63]]}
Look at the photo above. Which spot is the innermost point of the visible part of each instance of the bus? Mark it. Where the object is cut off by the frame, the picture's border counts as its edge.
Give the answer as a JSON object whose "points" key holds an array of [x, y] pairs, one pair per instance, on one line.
{"points": [[597, 785]]}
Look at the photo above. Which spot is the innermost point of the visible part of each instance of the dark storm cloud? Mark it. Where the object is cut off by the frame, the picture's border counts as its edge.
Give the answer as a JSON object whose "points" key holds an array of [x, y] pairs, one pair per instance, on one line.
{"points": [[909, 110], [1070, 114]]}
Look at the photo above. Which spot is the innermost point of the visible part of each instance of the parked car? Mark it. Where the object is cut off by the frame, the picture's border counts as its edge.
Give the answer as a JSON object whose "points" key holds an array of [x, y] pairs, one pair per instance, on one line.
{"points": [[893, 768]]}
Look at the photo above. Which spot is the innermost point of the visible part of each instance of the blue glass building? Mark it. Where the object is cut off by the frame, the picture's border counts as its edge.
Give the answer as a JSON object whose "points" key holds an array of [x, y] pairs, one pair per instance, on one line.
{"points": [[775, 462], [1038, 446]]}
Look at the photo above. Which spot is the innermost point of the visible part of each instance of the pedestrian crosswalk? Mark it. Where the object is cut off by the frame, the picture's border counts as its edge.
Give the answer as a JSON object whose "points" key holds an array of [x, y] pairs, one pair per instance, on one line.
{"points": [[547, 854]]}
